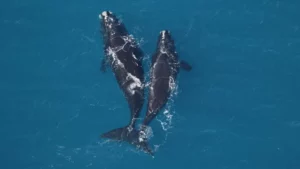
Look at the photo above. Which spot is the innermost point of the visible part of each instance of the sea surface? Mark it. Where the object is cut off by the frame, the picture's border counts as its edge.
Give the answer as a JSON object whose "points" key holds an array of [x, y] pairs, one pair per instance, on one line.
{"points": [[237, 109]]}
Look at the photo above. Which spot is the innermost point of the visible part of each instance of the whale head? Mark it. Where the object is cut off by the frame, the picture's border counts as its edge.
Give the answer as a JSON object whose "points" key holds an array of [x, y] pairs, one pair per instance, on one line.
{"points": [[106, 15], [165, 41], [111, 24], [165, 34]]}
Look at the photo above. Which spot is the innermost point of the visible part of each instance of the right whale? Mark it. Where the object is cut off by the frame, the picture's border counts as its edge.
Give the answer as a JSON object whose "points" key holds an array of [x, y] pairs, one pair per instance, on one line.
{"points": [[163, 73], [124, 56]]}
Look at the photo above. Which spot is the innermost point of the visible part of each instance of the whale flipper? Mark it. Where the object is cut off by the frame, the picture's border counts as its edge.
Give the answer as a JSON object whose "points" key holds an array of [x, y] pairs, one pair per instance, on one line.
{"points": [[129, 135], [185, 65]]}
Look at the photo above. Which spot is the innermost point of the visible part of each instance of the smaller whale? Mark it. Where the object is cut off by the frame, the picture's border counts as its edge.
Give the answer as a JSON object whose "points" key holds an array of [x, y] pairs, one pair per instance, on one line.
{"points": [[124, 56], [163, 73]]}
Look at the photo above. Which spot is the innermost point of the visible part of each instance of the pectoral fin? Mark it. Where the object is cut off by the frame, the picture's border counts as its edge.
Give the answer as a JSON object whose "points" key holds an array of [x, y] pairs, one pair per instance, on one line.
{"points": [[185, 65]]}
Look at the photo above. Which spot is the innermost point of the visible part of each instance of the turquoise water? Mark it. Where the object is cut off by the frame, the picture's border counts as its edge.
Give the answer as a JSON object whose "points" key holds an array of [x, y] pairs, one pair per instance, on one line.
{"points": [[237, 109]]}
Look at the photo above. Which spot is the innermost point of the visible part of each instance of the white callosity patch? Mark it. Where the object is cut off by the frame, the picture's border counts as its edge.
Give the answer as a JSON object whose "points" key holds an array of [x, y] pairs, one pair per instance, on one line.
{"points": [[163, 34], [163, 41], [105, 14]]}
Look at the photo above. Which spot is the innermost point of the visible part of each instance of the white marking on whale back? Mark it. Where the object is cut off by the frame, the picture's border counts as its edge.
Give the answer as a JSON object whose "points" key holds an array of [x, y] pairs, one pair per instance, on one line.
{"points": [[133, 55], [115, 58], [129, 39], [113, 51], [135, 58], [163, 51], [154, 65], [118, 64], [135, 84]]}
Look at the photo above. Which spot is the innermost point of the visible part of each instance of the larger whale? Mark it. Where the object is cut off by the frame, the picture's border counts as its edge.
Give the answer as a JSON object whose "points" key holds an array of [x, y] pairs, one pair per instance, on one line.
{"points": [[124, 56]]}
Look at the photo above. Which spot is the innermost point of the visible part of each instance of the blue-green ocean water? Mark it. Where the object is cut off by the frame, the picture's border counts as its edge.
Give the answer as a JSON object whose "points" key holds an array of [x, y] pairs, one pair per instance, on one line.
{"points": [[237, 109]]}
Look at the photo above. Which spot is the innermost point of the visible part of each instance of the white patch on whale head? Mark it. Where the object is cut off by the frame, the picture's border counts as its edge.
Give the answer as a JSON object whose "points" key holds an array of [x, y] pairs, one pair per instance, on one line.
{"points": [[105, 14], [107, 20], [163, 33], [163, 41]]}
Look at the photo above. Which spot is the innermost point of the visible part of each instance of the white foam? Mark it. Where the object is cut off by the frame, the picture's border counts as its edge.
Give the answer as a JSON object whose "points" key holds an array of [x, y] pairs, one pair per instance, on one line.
{"points": [[145, 134]]}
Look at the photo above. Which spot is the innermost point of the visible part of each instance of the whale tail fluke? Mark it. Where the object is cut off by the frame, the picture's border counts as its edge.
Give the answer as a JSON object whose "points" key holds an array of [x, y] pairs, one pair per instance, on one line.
{"points": [[129, 135]]}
